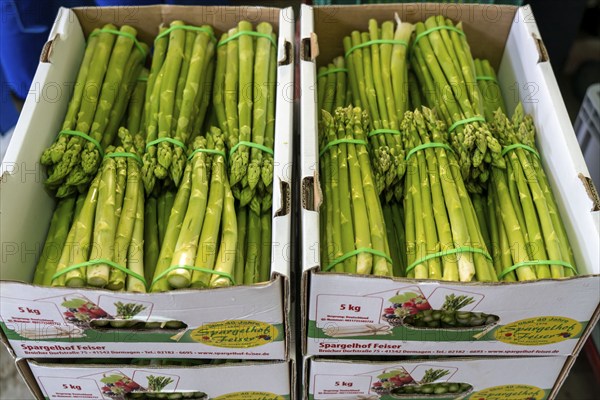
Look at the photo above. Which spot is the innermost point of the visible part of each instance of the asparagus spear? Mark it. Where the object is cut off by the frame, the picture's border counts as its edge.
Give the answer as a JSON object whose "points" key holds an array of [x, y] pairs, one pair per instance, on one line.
{"points": [[193, 89], [259, 111], [231, 92], [81, 240], [239, 160], [135, 108], [364, 261], [151, 242], [128, 217], [168, 87], [187, 242], [135, 251], [240, 251], [226, 258], [266, 242], [55, 239], [208, 245], [254, 247], [105, 227], [174, 227]]}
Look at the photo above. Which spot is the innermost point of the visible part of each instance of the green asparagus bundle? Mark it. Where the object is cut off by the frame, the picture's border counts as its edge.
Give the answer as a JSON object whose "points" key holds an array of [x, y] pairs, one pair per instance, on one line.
{"points": [[378, 74], [104, 83], [192, 252], [176, 88], [443, 237], [244, 102], [102, 245], [354, 226], [529, 235], [442, 61]]}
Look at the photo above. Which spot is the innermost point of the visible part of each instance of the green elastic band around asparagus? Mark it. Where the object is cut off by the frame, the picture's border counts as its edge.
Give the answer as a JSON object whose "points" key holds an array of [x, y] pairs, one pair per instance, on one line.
{"points": [[250, 144], [84, 136], [427, 146], [96, 262], [167, 139], [357, 252], [486, 78], [377, 41], [209, 151], [124, 154], [331, 71], [142, 79], [465, 121], [124, 34], [187, 28], [251, 33], [463, 249], [520, 146], [193, 268], [340, 141], [382, 131], [436, 28], [536, 262]]}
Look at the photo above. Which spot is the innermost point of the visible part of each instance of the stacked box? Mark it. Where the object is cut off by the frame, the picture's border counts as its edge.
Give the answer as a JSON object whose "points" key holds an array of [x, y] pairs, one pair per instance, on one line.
{"points": [[241, 322], [344, 314]]}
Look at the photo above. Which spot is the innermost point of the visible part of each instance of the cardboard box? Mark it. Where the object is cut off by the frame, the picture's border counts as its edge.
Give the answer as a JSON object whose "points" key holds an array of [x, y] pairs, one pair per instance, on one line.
{"points": [[469, 378], [247, 380], [344, 314], [236, 322]]}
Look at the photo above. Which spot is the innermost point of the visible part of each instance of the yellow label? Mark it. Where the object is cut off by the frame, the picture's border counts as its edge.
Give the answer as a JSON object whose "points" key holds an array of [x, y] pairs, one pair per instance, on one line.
{"points": [[538, 331], [510, 392], [250, 396], [235, 334]]}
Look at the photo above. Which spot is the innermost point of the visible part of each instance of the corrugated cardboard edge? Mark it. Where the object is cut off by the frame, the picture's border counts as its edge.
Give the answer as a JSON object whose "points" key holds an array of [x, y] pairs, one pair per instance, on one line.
{"points": [[23, 367]]}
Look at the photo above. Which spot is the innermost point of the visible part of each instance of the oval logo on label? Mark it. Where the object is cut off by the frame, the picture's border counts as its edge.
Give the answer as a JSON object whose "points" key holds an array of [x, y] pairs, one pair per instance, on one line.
{"points": [[538, 331], [510, 392], [235, 334], [250, 396]]}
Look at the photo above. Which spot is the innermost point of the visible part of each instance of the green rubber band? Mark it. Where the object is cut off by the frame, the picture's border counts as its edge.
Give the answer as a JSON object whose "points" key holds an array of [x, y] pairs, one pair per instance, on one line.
{"points": [[465, 121], [377, 41], [436, 28], [193, 268], [463, 249], [96, 262], [250, 33], [124, 154], [142, 79], [167, 139], [427, 146], [520, 146], [250, 144], [536, 262], [187, 28], [84, 136], [340, 141], [331, 71], [124, 34], [356, 252], [209, 151], [486, 78], [381, 131]]}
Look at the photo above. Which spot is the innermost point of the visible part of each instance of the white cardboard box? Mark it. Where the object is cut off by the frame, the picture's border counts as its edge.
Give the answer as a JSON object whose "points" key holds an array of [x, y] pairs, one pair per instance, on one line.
{"points": [[238, 381], [536, 318], [236, 322], [504, 378]]}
